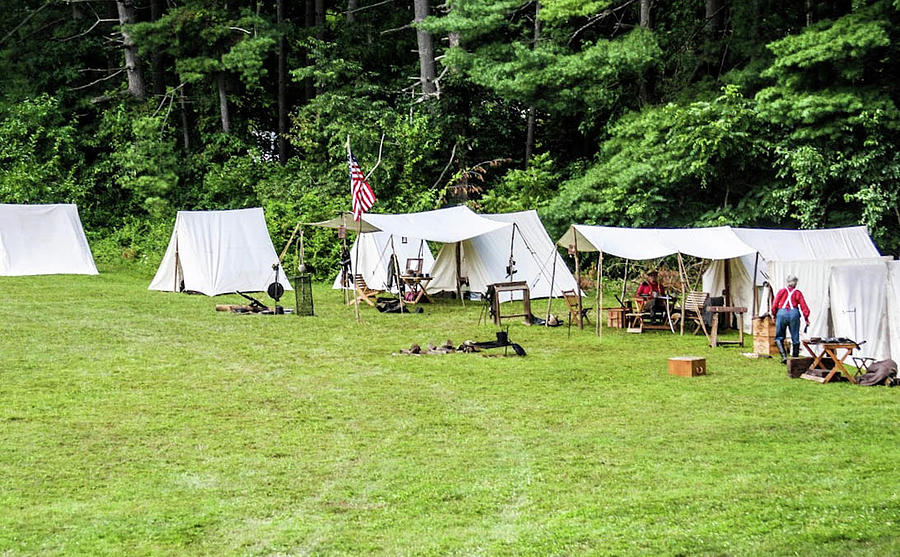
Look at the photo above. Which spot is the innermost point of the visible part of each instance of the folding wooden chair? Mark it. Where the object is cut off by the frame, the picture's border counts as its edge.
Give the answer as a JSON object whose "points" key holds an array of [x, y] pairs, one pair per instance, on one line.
{"points": [[363, 292], [692, 310], [571, 298]]}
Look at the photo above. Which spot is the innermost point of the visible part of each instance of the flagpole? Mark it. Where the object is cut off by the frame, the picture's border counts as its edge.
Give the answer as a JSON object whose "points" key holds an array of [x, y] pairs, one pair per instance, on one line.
{"points": [[356, 267]]}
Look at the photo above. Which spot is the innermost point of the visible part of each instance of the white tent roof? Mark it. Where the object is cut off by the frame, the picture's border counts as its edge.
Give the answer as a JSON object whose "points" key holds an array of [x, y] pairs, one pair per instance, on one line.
{"points": [[651, 243], [484, 258], [447, 226], [219, 252], [375, 256], [798, 245], [43, 240]]}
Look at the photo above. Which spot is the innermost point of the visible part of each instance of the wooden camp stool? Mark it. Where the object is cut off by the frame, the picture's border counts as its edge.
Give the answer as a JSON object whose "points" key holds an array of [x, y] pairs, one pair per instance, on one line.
{"points": [[518, 286], [829, 349], [714, 333]]}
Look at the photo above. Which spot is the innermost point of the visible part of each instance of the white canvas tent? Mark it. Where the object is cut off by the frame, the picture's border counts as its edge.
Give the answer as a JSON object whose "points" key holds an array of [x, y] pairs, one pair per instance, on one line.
{"points": [[484, 258], [374, 258], [219, 252], [453, 225], [783, 251], [43, 240]]}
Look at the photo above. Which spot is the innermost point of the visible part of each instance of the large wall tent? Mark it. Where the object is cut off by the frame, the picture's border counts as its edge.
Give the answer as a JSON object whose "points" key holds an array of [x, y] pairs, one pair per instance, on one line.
{"points": [[219, 252], [484, 259], [374, 258], [43, 240]]}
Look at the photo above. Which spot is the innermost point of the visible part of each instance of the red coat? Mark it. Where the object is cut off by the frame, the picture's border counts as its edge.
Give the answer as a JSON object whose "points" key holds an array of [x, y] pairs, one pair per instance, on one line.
{"points": [[648, 289], [795, 300]]}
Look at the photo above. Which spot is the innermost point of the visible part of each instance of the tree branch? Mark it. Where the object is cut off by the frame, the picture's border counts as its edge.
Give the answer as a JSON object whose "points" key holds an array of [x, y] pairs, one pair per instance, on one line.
{"points": [[96, 81], [24, 21]]}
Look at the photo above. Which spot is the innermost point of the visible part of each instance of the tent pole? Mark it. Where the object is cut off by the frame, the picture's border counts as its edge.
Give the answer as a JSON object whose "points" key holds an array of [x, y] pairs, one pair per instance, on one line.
{"points": [[624, 281], [755, 309], [458, 274], [599, 295], [682, 279], [175, 285], [552, 281], [356, 268], [396, 264], [578, 284]]}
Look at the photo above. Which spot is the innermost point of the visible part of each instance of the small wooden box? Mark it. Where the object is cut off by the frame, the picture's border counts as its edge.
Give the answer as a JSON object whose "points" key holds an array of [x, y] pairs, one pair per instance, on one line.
{"points": [[764, 337], [615, 318], [687, 366]]}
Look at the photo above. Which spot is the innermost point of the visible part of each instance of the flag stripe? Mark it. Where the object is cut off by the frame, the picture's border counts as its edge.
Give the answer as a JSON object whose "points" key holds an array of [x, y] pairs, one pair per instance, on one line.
{"points": [[361, 194]]}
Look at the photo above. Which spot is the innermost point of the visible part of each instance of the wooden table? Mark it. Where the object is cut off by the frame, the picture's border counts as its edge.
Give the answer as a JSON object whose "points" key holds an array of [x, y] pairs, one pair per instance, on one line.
{"points": [[714, 330], [637, 320], [829, 349], [418, 284]]}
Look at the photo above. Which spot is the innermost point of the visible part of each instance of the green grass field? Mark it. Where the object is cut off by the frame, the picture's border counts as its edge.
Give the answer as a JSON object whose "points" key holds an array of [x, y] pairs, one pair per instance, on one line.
{"points": [[146, 423]]}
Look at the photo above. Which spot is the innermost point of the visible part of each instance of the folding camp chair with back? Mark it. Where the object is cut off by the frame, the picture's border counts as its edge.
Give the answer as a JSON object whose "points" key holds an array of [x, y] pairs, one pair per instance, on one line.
{"points": [[571, 298], [363, 292], [692, 310]]}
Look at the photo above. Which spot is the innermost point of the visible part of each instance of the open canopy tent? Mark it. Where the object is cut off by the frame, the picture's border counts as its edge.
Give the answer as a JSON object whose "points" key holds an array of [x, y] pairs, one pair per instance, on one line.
{"points": [[652, 243], [374, 258], [484, 259], [43, 240], [219, 252]]}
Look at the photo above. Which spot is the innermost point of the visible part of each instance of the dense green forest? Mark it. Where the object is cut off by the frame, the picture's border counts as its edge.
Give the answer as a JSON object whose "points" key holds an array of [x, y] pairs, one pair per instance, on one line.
{"points": [[626, 112]]}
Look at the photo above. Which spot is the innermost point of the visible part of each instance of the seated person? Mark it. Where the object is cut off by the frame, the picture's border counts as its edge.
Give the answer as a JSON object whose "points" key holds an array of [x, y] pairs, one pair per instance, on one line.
{"points": [[647, 294]]}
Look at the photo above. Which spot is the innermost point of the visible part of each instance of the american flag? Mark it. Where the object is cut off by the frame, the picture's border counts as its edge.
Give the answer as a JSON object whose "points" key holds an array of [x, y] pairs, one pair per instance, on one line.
{"points": [[360, 190]]}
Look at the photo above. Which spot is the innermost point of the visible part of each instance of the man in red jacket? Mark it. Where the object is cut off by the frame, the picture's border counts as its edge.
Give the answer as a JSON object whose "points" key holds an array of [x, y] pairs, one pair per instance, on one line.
{"points": [[786, 308]]}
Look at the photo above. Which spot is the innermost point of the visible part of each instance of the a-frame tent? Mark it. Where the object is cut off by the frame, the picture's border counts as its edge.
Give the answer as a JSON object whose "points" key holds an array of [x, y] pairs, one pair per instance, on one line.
{"points": [[374, 258], [484, 259], [43, 240], [219, 252], [453, 225]]}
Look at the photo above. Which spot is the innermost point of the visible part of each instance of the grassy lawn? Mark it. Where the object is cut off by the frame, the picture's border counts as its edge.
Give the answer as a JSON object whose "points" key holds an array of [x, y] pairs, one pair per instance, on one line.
{"points": [[147, 423]]}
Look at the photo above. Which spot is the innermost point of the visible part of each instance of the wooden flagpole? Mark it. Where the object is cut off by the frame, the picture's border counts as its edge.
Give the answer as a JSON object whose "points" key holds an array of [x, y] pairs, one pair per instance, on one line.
{"points": [[355, 268]]}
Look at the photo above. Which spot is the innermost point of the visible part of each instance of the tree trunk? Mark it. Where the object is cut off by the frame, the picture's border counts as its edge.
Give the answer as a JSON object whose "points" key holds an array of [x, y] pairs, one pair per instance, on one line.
{"points": [[645, 14], [223, 103], [529, 130], [426, 49], [132, 62], [352, 6], [185, 119], [309, 21], [320, 19], [282, 85], [810, 8], [156, 62], [643, 93], [714, 16]]}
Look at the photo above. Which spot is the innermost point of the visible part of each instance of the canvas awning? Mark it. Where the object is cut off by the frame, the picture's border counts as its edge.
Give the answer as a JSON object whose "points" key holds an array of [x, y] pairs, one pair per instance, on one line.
{"points": [[446, 226], [652, 243]]}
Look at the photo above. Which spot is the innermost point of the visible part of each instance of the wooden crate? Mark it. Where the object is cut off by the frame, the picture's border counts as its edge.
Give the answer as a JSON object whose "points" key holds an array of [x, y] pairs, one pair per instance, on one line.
{"points": [[615, 318], [687, 366], [764, 337]]}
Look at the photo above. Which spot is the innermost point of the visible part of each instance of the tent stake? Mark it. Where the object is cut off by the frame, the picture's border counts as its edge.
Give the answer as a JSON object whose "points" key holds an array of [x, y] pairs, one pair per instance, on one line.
{"points": [[552, 281]]}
